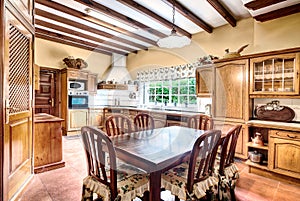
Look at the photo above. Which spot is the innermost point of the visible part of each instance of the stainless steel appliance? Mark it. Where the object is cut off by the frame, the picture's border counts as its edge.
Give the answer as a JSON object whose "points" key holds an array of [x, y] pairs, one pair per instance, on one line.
{"points": [[78, 99], [77, 85]]}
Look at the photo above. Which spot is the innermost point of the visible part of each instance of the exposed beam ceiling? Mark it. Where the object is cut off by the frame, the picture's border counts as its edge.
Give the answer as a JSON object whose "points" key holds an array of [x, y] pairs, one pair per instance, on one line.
{"points": [[127, 26]]}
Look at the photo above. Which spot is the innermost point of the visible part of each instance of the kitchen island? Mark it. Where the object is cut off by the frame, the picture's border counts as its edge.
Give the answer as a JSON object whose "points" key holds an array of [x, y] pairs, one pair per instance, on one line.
{"points": [[47, 142]]}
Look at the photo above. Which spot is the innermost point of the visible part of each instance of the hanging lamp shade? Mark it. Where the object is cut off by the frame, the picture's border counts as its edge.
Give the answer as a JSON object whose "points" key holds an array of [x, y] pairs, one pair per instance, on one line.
{"points": [[173, 40]]}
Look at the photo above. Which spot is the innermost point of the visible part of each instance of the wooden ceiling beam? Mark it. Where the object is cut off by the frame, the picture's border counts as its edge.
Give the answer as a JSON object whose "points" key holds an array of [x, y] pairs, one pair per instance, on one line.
{"points": [[84, 16], [278, 13], [189, 15], [258, 4], [80, 34], [125, 19], [87, 28], [86, 43], [71, 43], [135, 6], [223, 12]]}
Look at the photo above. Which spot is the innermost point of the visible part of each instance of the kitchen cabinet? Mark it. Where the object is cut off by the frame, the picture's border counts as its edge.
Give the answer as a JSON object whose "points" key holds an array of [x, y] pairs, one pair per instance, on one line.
{"points": [[77, 74], [176, 120], [92, 83], [284, 153], [47, 143], [230, 100], [96, 117], [275, 75], [241, 148], [204, 81], [77, 119], [159, 119]]}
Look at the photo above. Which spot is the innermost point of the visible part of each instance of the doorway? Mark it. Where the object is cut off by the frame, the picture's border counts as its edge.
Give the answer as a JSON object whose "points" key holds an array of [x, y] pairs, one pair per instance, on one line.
{"points": [[47, 99]]}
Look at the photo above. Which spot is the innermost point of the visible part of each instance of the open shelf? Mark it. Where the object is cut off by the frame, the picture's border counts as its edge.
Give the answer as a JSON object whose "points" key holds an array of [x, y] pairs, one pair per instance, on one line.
{"points": [[251, 144], [262, 165]]}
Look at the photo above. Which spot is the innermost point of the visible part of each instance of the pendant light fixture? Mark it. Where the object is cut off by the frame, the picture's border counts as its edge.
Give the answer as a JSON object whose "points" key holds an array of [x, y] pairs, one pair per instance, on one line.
{"points": [[173, 40]]}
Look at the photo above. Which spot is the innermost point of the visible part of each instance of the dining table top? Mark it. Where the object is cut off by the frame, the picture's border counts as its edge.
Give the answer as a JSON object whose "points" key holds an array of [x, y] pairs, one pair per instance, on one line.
{"points": [[154, 150]]}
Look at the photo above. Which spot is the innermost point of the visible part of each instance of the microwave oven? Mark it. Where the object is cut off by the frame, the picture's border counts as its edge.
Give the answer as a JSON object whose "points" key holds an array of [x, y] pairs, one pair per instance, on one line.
{"points": [[78, 100], [76, 85]]}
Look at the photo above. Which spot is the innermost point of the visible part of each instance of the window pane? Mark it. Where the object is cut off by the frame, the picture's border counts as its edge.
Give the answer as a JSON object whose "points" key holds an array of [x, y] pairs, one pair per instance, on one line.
{"points": [[175, 83], [151, 99], [192, 100], [165, 99], [183, 82], [174, 99], [159, 99], [152, 84], [158, 90], [192, 81], [151, 91], [166, 83], [183, 99], [184, 90], [192, 90], [158, 84], [175, 90], [166, 90]]}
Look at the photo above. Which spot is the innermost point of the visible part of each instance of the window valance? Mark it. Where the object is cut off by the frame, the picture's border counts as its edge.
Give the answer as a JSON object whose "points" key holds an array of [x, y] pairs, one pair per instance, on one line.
{"points": [[168, 73]]}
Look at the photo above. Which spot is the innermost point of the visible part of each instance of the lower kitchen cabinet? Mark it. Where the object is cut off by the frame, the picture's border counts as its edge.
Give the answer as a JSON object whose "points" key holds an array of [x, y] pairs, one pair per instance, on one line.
{"points": [[96, 117], [284, 153], [159, 119], [47, 143], [77, 119]]}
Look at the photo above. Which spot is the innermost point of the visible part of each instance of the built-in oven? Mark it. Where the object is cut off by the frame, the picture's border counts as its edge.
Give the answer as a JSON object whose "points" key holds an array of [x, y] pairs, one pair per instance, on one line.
{"points": [[78, 99]]}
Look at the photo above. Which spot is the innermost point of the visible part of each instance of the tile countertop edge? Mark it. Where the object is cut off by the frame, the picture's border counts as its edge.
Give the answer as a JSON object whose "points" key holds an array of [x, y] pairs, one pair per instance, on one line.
{"points": [[275, 125]]}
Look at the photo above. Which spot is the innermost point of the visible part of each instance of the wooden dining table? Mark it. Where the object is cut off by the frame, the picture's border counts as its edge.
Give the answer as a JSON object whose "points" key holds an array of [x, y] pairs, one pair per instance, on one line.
{"points": [[156, 151]]}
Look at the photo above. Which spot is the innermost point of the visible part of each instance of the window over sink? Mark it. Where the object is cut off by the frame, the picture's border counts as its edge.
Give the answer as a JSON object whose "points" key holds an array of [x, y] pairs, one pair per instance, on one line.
{"points": [[177, 93]]}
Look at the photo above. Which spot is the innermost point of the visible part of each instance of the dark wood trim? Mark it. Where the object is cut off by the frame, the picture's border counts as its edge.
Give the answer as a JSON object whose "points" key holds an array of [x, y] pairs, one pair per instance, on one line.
{"points": [[223, 12], [2, 34], [278, 13], [189, 15], [80, 34], [257, 4], [71, 43], [107, 11], [263, 54], [93, 20], [82, 42], [135, 6], [87, 28]]}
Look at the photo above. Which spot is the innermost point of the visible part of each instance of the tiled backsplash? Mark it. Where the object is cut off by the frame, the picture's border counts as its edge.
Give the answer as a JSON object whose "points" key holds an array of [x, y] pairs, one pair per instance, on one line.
{"points": [[292, 103]]}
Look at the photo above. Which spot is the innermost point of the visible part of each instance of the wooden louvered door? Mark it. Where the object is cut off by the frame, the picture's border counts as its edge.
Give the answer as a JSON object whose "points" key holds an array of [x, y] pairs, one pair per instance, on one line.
{"points": [[17, 99]]}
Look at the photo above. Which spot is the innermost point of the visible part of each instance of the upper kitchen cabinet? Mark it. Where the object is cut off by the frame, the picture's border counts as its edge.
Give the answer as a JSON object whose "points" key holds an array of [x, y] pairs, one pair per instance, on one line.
{"points": [[92, 82], [204, 81], [230, 100], [275, 75]]}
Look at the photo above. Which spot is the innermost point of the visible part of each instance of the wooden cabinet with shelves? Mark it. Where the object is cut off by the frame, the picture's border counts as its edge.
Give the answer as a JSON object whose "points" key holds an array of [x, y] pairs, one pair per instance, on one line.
{"points": [[230, 100], [274, 75], [284, 153], [204, 81]]}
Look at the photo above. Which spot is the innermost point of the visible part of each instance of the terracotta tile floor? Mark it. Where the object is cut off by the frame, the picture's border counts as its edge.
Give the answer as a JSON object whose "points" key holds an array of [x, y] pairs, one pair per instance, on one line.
{"points": [[65, 183]]}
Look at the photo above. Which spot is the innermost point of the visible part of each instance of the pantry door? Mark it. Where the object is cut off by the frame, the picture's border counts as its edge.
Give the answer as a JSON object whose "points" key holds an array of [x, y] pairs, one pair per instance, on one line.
{"points": [[17, 100]]}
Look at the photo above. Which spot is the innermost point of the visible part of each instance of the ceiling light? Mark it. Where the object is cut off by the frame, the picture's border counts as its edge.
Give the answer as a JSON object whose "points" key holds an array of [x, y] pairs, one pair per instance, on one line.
{"points": [[173, 40]]}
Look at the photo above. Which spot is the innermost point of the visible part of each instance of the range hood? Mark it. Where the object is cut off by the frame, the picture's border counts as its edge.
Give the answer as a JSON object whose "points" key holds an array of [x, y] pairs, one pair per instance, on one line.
{"points": [[117, 72]]}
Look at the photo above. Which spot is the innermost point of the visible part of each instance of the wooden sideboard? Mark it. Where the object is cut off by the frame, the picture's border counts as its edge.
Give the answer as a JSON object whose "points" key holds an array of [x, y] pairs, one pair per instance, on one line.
{"points": [[47, 142]]}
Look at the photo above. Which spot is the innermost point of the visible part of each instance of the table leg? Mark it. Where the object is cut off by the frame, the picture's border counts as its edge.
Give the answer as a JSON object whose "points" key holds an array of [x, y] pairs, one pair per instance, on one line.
{"points": [[155, 183]]}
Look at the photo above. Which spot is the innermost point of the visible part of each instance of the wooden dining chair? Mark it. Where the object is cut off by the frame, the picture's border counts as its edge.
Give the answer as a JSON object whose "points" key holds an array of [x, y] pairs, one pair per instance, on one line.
{"points": [[105, 178], [143, 121], [118, 124], [194, 179], [226, 170], [201, 122]]}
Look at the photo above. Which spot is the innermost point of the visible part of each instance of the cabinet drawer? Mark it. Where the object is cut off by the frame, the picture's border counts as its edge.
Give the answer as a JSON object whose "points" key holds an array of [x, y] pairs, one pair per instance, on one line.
{"points": [[285, 134]]}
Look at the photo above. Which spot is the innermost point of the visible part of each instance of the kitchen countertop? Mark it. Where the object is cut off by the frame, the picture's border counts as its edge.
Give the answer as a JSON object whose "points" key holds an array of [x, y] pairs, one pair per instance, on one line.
{"points": [[43, 117]]}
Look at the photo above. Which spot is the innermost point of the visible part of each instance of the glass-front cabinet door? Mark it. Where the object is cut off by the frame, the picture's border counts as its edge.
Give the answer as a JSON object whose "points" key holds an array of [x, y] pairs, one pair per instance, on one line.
{"points": [[278, 74]]}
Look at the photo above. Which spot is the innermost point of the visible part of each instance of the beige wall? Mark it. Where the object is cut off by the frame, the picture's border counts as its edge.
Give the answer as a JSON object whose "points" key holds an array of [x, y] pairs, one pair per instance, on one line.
{"points": [[51, 54], [276, 34]]}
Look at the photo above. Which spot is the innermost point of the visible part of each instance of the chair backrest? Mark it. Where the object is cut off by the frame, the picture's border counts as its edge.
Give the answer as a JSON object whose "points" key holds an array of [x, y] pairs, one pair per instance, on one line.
{"points": [[200, 165], [143, 121], [201, 122], [95, 142], [228, 147], [118, 124]]}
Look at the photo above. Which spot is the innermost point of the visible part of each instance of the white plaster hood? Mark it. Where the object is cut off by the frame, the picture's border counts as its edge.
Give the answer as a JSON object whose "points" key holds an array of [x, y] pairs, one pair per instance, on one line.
{"points": [[118, 71]]}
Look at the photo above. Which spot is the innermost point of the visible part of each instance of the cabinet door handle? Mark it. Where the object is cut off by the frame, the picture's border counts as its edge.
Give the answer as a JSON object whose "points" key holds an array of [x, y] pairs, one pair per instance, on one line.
{"points": [[277, 133], [293, 137]]}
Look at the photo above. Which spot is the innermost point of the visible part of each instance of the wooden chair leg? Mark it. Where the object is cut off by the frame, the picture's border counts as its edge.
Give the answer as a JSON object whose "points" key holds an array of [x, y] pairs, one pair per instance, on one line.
{"points": [[232, 194], [176, 198], [146, 196]]}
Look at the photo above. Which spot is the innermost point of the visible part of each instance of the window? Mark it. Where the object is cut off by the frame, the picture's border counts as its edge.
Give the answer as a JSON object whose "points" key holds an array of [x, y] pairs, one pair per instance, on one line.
{"points": [[179, 92]]}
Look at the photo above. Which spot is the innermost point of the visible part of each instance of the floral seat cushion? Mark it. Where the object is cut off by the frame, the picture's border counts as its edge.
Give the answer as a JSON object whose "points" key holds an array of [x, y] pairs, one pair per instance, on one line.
{"points": [[132, 182], [175, 180]]}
